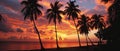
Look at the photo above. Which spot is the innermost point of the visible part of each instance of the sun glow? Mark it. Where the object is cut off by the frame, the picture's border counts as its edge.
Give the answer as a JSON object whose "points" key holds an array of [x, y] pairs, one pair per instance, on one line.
{"points": [[66, 30], [62, 36]]}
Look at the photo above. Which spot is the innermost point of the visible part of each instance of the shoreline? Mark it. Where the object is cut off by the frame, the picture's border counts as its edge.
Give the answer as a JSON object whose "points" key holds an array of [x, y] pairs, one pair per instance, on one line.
{"points": [[82, 48]]}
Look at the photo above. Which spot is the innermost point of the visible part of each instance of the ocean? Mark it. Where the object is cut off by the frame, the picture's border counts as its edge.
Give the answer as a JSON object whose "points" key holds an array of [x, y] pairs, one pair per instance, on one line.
{"points": [[36, 45]]}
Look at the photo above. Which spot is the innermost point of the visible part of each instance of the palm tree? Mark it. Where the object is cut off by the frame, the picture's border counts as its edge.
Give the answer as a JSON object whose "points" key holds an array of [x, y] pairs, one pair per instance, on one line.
{"points": [[54, 14], [113, 39], [72, 11], [113, 10], [114, 20], [31, 11], [83, 25], [98, 23], [114, 16], [114, 13]]}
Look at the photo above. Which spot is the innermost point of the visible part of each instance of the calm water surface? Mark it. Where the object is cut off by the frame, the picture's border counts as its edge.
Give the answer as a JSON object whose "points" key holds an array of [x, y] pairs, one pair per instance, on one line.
{"points": [[34, 45]]}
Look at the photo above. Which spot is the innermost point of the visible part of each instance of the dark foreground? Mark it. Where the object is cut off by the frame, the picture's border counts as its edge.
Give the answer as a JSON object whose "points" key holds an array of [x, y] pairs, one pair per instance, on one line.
{"points": [[84, 48]]}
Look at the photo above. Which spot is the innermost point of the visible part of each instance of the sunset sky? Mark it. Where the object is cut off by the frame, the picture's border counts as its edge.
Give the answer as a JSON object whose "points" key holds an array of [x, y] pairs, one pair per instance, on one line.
{"points": [[15, 28]]}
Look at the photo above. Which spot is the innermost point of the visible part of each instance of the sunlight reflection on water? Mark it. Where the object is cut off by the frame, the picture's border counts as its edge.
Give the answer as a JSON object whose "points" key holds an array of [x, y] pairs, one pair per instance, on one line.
{"points": [[34, 45]]}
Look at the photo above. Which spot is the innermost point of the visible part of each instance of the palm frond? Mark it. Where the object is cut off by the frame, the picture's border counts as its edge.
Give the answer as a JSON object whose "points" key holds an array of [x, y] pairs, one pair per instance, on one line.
{"points": [[77, 10], [59, 19], [83, 25], [50, 18], [71, 10], [54, 13], [39, 6], [31, 10], [56, 3], [106, 1], [25, 17], [97, 21], [51, 5], [48, 10], [24, 3], [61, 12], [23, 9]]}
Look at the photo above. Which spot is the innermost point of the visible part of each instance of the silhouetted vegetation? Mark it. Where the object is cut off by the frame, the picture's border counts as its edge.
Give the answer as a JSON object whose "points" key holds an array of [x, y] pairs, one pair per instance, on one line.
{"points": [[73, 13], [97, 22], [83, 25], [112, 33], [31, 11], [54, 14]]}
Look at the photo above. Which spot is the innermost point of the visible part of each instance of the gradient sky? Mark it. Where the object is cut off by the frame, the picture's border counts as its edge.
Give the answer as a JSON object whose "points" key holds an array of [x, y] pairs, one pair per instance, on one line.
{"points": [[15, 28]]}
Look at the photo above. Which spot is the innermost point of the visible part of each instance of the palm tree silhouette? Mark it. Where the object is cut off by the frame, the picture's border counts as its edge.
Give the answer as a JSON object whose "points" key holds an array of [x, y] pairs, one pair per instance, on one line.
{"points": [[83, 25], [31, 11], [72, 11], [112, 33], [54, 14], [114, 20], [98, 23]]}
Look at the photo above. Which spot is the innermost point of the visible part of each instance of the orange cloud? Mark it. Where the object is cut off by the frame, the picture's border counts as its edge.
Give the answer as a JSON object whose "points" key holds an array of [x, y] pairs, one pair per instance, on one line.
{"points": [[45, 3], [107, 5], [66, 30]]}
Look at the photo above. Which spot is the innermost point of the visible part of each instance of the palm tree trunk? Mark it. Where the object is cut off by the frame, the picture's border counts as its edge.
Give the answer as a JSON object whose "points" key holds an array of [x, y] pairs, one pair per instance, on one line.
{"points": [[86, 35], [56, 36], [90, 40], [100, 41], [38, 35], [77, 33], [86, 39]]}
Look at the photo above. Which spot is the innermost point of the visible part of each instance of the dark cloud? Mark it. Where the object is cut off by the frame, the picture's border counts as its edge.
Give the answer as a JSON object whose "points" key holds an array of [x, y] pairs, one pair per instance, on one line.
{"points": [[42, 32], [4, 10], [99, 9], [30, 30], [11, 8], [42, 21], [24, 38], [19, 30], [93, 11], [51, 31], [5, 28], [12, 38], [14, 4]]}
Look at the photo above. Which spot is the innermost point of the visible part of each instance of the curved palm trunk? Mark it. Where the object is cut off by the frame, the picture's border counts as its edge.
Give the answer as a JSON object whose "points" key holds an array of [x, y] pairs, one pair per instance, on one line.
{"points": [[56, 36], [42, 48], [87, 42], [90, 40], [86, 39], [77, 34], [100, 40]]}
